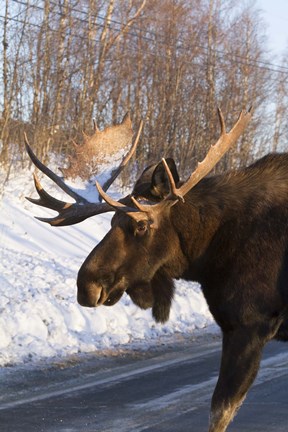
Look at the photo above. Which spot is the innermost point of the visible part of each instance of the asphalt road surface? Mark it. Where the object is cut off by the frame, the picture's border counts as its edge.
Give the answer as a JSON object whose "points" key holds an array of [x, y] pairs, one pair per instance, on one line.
{"points": [[166, 389]]}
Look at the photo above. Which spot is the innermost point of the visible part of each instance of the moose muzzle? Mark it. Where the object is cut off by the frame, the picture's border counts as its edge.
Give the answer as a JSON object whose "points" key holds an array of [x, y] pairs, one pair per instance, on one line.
{"points": [[90, 295]]}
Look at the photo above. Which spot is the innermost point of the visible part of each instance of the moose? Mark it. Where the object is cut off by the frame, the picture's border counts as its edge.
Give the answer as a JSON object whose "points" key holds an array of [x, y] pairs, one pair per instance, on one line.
{"points": [[228, 231]]}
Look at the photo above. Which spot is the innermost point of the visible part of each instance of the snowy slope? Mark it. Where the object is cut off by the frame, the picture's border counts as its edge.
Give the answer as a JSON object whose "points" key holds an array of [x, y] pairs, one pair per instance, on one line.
{"points": [[40, 317]]}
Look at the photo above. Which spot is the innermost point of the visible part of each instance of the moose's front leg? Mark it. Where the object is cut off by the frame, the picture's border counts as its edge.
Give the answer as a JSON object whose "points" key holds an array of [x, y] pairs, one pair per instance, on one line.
{"points": [[241, 354]]}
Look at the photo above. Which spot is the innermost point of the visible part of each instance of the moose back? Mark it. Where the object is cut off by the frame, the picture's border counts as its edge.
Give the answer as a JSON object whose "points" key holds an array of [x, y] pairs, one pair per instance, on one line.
{"points": [[229, 232]]}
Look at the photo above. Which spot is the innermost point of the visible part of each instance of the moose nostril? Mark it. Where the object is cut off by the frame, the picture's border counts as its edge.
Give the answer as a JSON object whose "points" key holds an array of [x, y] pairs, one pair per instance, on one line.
{"points": [[90, 297], [97, 297]]}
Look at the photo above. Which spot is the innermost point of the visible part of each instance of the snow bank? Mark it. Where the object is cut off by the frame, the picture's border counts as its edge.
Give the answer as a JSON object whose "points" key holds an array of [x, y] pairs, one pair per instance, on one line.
{"points": [[39, 314]]}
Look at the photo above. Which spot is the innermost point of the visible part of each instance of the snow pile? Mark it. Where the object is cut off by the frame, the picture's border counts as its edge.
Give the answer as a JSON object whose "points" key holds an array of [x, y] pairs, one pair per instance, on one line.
{"points": [[39, 314]]}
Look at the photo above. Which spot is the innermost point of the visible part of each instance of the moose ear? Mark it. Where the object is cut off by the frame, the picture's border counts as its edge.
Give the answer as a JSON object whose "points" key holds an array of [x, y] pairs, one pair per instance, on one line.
{"points": [[160, 184]]}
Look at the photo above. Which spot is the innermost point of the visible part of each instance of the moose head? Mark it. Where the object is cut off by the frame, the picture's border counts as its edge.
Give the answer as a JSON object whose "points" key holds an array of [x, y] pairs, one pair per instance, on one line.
{"points": [[144, 250]]}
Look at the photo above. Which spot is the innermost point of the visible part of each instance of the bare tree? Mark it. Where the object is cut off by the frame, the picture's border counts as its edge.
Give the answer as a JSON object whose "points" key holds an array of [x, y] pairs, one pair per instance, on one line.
{"points": [[170, 62], [6, 105], [280, 134]]}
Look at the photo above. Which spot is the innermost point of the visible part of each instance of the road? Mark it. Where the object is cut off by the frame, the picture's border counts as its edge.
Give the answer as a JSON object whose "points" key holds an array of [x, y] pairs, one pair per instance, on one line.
{"points": [[167, 389]]}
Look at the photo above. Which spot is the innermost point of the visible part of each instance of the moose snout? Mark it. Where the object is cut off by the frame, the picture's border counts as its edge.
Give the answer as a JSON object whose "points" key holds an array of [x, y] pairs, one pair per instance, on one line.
{"points": [[92, 287], [91, 292], [91, 295]]}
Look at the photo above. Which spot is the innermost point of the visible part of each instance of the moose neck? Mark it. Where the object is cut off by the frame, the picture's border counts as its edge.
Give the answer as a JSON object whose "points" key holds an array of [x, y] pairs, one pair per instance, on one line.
{"points": [[197, 221]]}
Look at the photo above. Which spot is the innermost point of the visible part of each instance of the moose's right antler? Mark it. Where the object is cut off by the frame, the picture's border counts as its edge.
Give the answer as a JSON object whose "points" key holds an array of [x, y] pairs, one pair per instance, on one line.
{"points": [[81, 209], [151, 212]]}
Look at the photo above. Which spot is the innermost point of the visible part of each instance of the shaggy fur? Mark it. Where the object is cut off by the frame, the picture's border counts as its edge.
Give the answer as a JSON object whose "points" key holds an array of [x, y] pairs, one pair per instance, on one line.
{"points": [[231, 235]]}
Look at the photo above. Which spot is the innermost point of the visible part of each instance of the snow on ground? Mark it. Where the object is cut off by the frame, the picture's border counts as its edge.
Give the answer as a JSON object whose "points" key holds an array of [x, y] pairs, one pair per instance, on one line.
{"points": [[39, 314]]}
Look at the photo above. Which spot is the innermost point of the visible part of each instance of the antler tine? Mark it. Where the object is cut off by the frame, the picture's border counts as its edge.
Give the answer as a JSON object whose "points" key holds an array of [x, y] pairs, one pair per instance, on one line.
{"points": [[45, 199], [117, 205], [138, 213], [174, 192], [115, 173], [75, 213], [54, 177], [217, 150], [68, 213], [221, 121]]}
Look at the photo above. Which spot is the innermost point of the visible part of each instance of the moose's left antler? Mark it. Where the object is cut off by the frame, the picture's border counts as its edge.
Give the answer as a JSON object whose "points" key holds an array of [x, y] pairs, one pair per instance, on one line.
{"points": [[216, 152], [72, 213]]}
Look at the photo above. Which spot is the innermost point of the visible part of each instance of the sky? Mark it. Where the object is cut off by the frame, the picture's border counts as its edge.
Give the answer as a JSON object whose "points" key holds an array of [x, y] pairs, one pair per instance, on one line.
{"points": [[275, 13]]}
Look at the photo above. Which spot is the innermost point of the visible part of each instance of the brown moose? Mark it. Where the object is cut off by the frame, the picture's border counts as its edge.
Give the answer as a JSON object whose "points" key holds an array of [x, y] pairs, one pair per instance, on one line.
{"points": [[229, 232]]}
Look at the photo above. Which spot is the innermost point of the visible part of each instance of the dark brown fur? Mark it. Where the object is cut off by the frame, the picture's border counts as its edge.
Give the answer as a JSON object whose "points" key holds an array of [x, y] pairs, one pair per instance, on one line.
{"points": [[231, 235]]}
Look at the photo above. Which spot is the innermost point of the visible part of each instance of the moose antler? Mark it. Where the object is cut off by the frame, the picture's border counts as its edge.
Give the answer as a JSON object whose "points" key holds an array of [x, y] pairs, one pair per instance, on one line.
{"points": [[72, 213], [216, 152]]}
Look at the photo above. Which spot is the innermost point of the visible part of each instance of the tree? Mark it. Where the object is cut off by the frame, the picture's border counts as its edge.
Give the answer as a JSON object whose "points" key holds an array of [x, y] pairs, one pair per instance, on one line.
{"points": [[170, 62]]}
